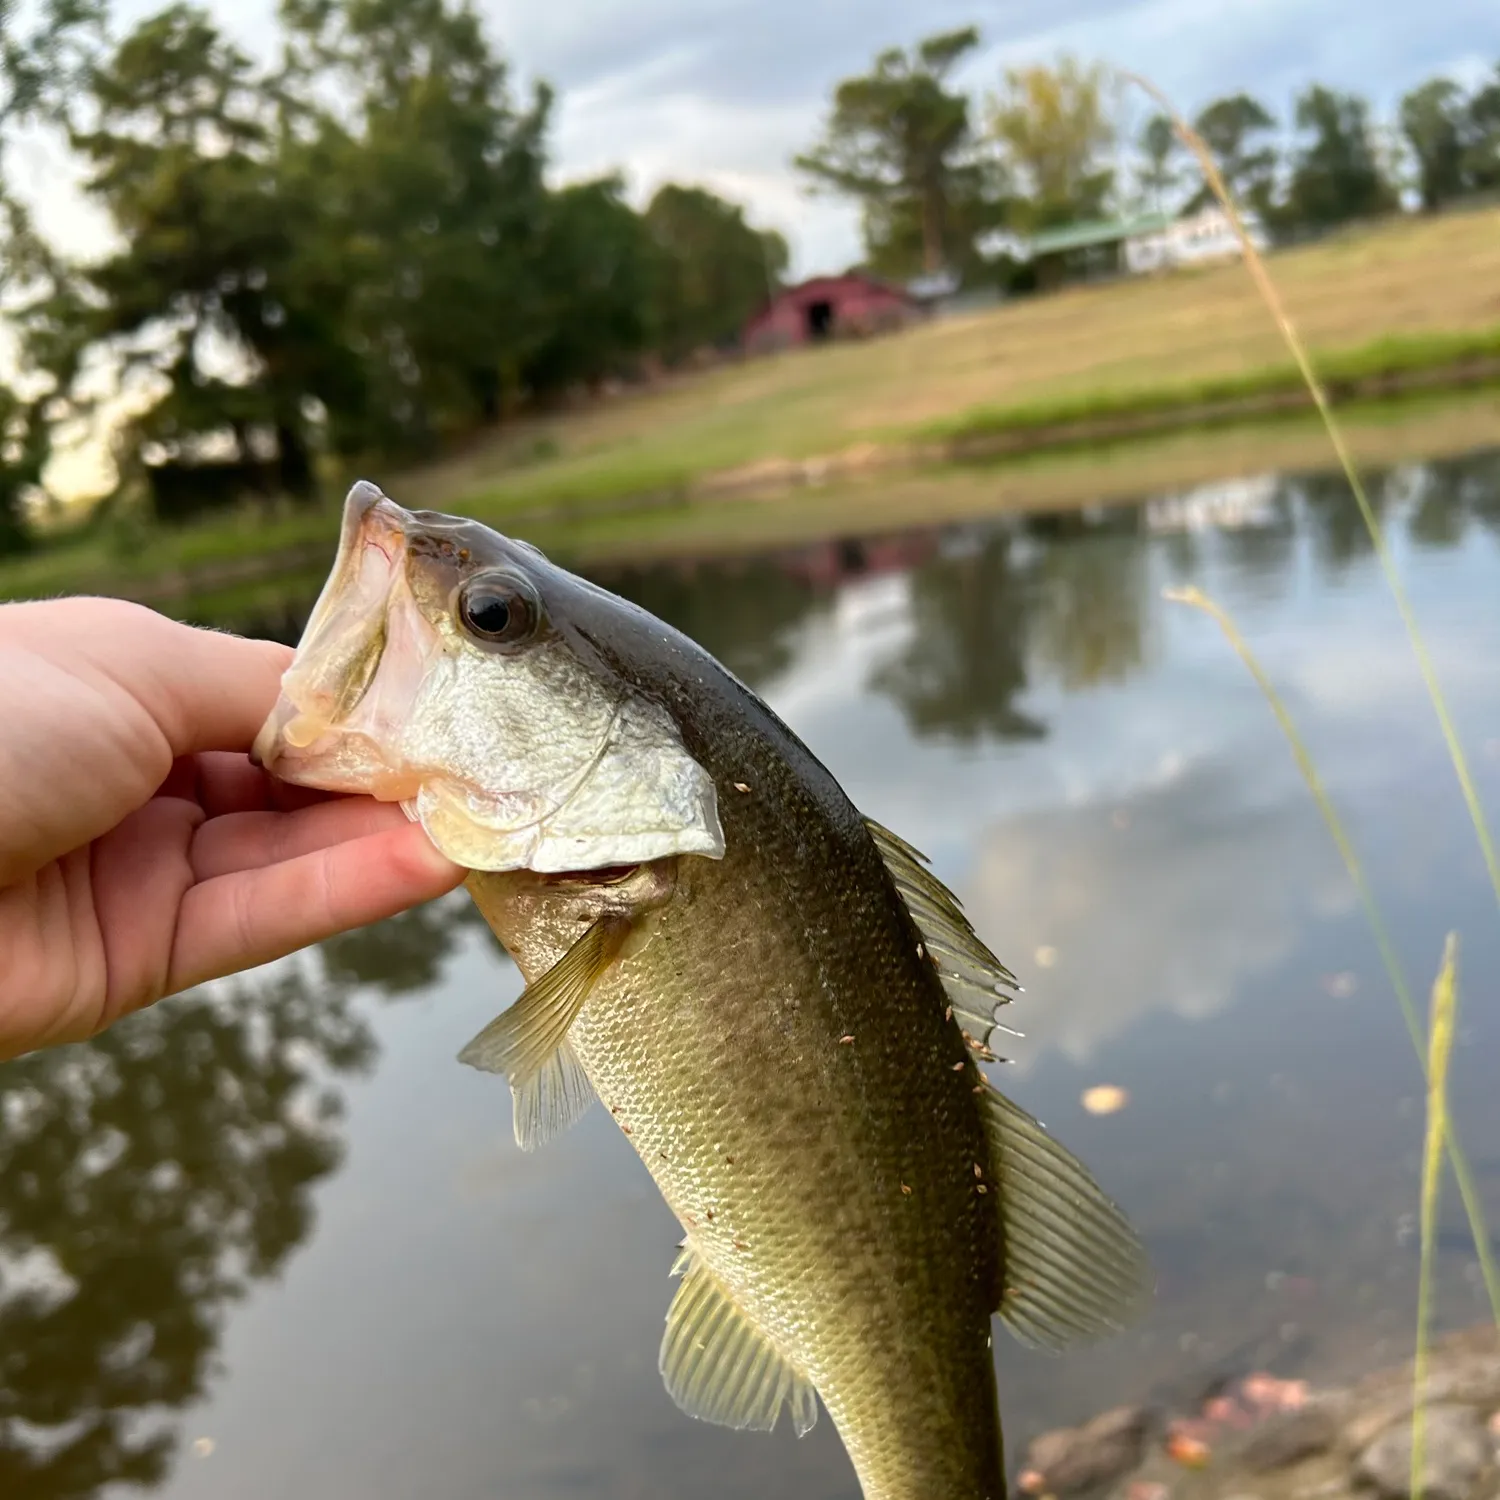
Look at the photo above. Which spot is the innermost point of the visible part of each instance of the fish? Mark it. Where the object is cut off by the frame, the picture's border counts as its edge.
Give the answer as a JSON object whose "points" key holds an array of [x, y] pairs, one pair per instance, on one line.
{"points": [[773, 995]]}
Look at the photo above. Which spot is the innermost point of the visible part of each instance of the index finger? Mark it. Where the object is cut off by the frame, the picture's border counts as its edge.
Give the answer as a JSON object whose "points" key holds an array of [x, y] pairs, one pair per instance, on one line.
{"points": [[203, 689]]}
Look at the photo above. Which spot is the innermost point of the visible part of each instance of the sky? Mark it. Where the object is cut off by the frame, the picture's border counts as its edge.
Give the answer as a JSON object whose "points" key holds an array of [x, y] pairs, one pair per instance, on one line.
{"points": [[724, 92]]}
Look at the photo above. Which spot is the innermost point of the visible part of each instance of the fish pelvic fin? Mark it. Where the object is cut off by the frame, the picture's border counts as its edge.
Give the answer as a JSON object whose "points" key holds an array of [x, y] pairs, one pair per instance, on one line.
{"points": [[1072, 1269], [551, 1099], [529, 1042], [977, 984], [719, 1367]]}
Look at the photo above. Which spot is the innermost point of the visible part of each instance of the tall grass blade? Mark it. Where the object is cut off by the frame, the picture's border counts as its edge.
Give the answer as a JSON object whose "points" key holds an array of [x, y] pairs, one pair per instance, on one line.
{"points": [[1272, 299], [1440, 1044], [1467, 1188]]}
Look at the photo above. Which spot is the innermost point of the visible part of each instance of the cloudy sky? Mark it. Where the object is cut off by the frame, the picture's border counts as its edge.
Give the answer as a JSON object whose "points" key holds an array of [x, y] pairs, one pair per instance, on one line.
{"points": [[725, 91]]}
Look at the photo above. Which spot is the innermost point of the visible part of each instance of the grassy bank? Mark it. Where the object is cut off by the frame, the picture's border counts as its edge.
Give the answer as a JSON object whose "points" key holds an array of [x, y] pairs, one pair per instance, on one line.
{"points": [[849, 431], [1415, 300], [262, 584]]}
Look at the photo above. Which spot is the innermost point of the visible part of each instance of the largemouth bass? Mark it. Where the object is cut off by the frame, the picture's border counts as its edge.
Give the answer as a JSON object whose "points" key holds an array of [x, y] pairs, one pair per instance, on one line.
{"points": [[777, 1001]]}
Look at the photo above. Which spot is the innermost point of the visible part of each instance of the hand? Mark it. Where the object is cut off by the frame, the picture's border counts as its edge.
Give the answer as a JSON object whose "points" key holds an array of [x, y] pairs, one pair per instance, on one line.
{"points": [[140, 851]]}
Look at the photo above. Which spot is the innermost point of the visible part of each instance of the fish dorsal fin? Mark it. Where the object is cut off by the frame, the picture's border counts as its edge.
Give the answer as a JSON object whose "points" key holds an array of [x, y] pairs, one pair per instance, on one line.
{"points": [[719, 1367], [529, 1042], [974, 979], [1072, 1268]]}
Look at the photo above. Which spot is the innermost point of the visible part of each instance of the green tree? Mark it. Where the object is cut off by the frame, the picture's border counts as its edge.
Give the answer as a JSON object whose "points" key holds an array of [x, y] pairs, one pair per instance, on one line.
{"points": [[1236, 131], [42, 67], [899, 140], [1054, 127], [715, 269], [437, 210], [1160, 175], [596, 273], [1434, 120], [1482, 155], [201, 295], [1337, 175]]}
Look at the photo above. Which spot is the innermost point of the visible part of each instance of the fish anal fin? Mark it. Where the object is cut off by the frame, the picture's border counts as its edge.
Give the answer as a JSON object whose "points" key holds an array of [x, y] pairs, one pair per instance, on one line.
{"points": [[1072, 1269], [717, 1366], [528, 1043], [974, 980]]}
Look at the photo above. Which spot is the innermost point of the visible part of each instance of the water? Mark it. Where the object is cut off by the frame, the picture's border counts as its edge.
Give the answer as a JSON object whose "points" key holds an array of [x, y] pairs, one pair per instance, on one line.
{"points": [[271, 1238]]}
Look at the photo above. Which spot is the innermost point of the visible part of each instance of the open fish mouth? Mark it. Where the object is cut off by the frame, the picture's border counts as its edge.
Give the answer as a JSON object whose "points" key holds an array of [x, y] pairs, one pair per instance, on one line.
{"points": [[432, 674], [359, 666]]}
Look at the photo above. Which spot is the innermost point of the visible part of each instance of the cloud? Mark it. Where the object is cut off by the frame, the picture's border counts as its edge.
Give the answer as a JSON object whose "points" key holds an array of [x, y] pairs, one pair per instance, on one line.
{"points": [[724, 92], [1169, 908]]}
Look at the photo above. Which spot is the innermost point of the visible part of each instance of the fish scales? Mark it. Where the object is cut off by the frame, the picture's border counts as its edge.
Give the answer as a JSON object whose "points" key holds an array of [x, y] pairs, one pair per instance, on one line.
{"points": [[781, 1006], [784, 1152]]}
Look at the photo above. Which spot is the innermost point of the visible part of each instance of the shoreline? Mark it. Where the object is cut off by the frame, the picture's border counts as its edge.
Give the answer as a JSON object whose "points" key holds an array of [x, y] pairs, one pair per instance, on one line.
{"points": [[1114, 464], [1262, 1438], [1018, 432]]}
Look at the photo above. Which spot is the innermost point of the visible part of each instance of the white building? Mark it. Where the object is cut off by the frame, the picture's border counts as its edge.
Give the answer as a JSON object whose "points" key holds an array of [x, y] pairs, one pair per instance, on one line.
{"points": [[1207, 235]]}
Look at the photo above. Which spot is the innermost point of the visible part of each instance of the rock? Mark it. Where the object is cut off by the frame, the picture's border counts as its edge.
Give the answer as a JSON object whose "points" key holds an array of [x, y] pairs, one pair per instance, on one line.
{"points": [[1290, 1437], [1469, 1375], [1080, 1458], [1457, 1452]]}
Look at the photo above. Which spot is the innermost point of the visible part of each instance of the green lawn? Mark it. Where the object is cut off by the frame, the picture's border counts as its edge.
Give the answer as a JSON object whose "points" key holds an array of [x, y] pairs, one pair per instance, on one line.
{"points": [[1420, 295]]}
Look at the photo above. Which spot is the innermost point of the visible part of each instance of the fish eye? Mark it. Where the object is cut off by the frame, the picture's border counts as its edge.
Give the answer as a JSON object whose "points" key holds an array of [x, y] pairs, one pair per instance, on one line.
{"points": [[498, 609]]}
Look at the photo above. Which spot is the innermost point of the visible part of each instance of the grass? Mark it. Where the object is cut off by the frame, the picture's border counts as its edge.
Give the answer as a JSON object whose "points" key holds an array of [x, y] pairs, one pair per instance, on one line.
{"points": [[1414, 295], [1384, 359], [1090, 364], [1439, 1046], [232, 568], [1447, 1136], [1439, 1132]]}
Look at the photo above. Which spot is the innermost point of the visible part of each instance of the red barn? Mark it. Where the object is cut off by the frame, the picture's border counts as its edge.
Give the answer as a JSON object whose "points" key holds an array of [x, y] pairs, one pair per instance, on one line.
{"points": [[853, 305]]}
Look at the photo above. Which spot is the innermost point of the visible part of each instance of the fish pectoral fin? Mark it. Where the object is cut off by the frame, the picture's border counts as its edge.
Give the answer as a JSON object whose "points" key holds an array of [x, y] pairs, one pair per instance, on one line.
{"points": [[719, 1367], [1072, 1267], [529, 1042], [975, 981]]}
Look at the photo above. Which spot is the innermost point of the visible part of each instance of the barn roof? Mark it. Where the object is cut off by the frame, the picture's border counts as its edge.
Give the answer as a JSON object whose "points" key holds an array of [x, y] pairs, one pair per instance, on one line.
{"points": [[1096, 232]]}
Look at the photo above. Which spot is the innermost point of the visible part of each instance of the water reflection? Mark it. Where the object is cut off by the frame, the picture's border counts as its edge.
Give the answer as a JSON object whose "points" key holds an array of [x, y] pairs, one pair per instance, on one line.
{"points": [[748, 614], [1097, 889], [405, 955], [291, 1174], [151, 1178], [964, 664]]}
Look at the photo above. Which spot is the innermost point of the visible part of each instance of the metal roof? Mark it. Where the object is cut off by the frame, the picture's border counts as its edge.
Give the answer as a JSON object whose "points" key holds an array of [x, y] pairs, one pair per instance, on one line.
{"points": [[1096, 232]]}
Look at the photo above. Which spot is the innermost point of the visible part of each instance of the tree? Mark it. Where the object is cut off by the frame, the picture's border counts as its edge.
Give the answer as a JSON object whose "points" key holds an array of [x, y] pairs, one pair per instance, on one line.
{"points": [[1054, 126], [899, 140], [1235, 129], [596, 273], [714, 271], [1482, 137], [1434, 120], [1160, 176], [1337, 175], [201, 293], [438, 210], [41, 70]]}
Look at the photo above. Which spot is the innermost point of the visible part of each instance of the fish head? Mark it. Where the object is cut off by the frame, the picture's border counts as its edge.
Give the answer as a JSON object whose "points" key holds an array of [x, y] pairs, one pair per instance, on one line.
{"points": [[460, 673]]}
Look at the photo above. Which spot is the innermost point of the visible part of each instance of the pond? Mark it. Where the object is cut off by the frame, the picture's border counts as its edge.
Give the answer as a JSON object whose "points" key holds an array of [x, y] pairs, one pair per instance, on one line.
{"points": [[270, 1237]]}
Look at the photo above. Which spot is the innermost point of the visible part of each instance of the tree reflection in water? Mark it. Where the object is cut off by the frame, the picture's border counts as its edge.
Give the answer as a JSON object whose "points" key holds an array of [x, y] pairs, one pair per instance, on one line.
{"points": [[149, 1178], [964, 662]]}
